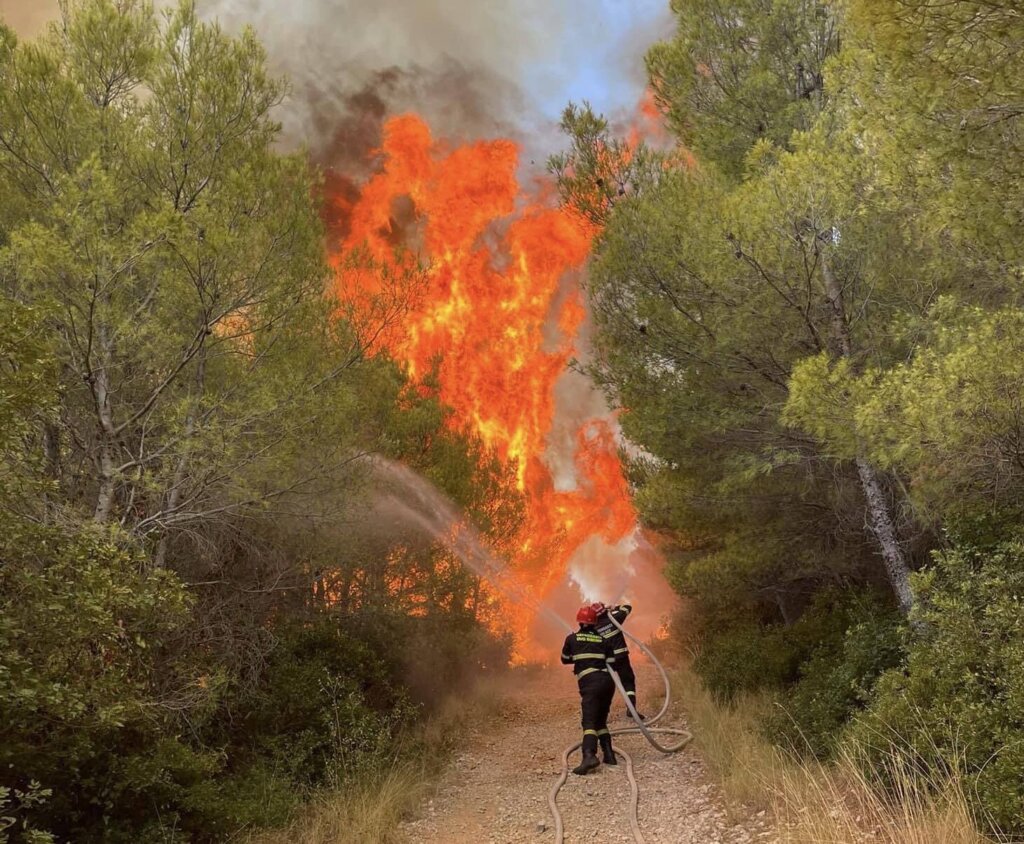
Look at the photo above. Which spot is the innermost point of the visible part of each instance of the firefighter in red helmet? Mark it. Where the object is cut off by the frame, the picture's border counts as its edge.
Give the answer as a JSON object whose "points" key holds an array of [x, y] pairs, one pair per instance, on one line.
{"points": [[589, 654]]}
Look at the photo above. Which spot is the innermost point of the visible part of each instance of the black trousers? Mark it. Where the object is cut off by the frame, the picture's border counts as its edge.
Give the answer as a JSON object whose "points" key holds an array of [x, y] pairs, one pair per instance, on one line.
{"points": [[624, 669], [596, 693]]}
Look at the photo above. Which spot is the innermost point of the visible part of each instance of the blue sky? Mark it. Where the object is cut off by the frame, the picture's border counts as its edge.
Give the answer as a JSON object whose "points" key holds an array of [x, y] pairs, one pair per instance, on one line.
{"points": [[603, 63]]}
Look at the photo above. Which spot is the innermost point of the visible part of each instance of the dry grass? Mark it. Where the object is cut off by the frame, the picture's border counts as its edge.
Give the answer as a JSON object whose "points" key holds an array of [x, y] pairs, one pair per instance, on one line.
{"points": [[370, 811], [815, 803]]}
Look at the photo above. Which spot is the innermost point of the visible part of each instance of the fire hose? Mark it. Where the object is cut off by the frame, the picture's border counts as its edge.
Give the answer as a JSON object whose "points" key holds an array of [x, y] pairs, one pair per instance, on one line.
{"points": [[647, 729]]}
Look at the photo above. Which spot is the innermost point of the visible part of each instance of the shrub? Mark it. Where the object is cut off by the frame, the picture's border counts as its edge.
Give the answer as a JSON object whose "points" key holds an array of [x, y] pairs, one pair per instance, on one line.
{"points": [[325, 708], [958, 701], [837, 682], [81, 633], [746, 656]]}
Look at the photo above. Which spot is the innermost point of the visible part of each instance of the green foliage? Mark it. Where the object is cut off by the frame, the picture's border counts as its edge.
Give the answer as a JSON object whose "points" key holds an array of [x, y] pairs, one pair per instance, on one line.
{"points": [[178, 259], [200, 623], [742, 71], [838, 679], [26, 372], [84, 683], [706, 310], [599, 170], [951, 418], [945, 90], [15, 806], [958, 701], [821, 402], [815, 335], [747, 656], [327, 706]]}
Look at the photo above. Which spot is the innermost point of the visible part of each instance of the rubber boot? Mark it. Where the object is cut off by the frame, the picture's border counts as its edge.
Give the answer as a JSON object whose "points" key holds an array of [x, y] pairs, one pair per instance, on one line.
{"points": [[607, 752], [590, 760], [640, 715]]}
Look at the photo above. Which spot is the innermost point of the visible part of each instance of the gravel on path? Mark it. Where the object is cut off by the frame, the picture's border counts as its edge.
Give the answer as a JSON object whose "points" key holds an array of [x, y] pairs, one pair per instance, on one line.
{"points": [[495, 789]]}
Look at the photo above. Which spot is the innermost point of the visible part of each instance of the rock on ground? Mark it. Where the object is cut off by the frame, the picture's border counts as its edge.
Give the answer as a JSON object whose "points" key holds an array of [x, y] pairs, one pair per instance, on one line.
{"points": [[495, 789]]}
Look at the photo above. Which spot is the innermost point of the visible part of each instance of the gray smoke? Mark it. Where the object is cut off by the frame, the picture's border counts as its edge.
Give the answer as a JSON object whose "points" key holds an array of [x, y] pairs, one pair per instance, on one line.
{"points": [[472, 68], [457, 62]]}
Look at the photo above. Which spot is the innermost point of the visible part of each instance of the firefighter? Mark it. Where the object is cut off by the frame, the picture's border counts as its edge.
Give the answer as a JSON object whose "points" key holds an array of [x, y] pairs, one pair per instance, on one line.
{"points": [[589, 655], [613, 636]]}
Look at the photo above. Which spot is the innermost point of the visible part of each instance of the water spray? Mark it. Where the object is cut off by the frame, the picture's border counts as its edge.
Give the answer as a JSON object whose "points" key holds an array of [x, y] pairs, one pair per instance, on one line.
{"points": [[438, 516]]}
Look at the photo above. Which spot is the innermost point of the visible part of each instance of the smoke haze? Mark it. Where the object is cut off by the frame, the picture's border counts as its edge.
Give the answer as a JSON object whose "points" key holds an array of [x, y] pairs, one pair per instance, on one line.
{"points": [[27, 17], [473, 69]]}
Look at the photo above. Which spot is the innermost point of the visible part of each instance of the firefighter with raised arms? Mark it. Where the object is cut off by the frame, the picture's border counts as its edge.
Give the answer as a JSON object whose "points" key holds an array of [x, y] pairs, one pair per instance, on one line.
{"points": [[590, 654], [613, 636]]}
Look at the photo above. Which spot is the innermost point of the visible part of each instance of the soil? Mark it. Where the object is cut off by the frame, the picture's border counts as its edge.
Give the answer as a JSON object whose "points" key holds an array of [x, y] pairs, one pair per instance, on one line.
{"points": [[495, 790]]}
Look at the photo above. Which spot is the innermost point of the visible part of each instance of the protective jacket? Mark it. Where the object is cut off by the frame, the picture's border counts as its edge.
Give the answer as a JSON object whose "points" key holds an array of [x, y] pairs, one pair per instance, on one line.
{"points": [[587, 652]]}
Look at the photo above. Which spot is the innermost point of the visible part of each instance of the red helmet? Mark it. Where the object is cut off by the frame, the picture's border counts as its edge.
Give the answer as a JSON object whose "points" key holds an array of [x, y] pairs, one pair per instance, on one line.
{"points": [[598, 607], [586, 615]]}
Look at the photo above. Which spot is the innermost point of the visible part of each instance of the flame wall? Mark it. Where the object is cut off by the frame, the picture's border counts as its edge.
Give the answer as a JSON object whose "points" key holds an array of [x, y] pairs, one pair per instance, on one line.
{"points": [[497, 323]]}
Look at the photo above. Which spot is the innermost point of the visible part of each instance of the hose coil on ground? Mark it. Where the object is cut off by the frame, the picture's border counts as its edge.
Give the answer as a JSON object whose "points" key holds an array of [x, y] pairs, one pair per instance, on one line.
{"points": [[647, 729]]}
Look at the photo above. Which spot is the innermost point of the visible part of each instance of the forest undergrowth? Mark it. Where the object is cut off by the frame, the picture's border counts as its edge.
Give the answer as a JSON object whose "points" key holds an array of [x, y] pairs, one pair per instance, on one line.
{"points": [[847, 800]]}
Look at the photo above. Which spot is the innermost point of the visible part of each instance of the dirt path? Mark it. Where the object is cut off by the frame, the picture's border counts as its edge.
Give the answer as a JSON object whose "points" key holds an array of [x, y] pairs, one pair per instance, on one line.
{"points": [[495, 790]]}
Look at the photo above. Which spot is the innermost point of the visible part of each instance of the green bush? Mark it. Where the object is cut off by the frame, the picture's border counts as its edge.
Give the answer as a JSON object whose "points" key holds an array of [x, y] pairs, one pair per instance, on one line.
{"points": [[746, 656], [835, 683], [82, 630], [15, 805], [958, 701], [325, 709]]}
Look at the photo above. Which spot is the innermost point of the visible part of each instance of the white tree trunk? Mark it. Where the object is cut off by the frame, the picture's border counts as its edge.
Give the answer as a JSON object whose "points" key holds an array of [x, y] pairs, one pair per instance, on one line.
{"points": [[883, 525], [107, 434], [174, 496], [885, 532]]}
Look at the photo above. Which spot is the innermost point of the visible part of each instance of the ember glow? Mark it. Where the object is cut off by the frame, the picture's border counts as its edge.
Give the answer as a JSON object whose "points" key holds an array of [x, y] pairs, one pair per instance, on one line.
{"points": [[496, 325]]}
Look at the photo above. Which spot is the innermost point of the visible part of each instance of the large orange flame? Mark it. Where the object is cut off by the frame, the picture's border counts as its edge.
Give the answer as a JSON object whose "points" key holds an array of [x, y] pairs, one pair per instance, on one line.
{"points": [[496, 325]]}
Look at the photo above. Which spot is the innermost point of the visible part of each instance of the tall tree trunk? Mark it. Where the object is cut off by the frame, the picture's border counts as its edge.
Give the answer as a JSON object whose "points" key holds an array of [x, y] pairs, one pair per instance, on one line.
{"points": [[883, 525], [885, 532], [100, 380]]}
